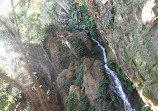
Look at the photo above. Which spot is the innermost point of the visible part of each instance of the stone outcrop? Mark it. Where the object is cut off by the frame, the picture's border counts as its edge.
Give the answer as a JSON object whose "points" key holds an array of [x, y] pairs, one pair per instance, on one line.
{"points": [[92, 79]]}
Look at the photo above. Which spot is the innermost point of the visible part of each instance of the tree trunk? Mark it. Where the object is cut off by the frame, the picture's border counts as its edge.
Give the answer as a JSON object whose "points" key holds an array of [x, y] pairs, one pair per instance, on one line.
{"points": [[16, 36], [33, 98]]}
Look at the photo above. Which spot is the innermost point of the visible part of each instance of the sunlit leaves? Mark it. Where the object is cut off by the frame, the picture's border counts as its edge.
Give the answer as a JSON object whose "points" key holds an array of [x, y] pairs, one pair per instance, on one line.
{"points": [[8, 95]]}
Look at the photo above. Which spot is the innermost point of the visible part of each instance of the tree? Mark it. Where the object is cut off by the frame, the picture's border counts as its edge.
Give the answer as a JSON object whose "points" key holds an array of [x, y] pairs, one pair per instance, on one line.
{"points": [[12, 28]]}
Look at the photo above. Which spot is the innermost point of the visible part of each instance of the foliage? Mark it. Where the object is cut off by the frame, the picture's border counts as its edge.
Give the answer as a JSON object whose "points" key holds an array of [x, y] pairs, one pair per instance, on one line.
{"points": [[102, 70], [91, 108], [71, 102], [65, 85], [80, 18], [49, 29], [103, 86], [66, 57], [33, 17], [106, 100], [80, 2], [77, 105], [104, 83], [116, 68], [8, 94], [108, 22], [101, 104], [143, 108], [91, 25], [79, 76], [107, 104], [83, 103], [80, 48], [111, 64]]}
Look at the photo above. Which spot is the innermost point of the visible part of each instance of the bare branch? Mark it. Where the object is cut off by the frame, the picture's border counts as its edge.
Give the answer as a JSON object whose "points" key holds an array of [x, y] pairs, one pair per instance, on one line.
{"points": [[18, 4], [23, 89], [15, 19], [8, 28], [41, 95], [63, 5], [18, 86]]}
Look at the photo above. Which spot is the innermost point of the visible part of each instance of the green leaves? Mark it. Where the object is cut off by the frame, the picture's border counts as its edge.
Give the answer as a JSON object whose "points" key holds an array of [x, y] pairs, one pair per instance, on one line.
{"points": [[80, 17], [77, 105], [80, 48], [7, 96], [124, 78], [71, 102], [103, 86], [102, 70], [79, 76], [83, 103], [145, 108]]}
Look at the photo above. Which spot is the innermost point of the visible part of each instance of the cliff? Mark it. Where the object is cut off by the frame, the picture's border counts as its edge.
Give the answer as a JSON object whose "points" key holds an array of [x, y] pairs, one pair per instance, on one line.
{"points": [[131, 29], [71, 67]]}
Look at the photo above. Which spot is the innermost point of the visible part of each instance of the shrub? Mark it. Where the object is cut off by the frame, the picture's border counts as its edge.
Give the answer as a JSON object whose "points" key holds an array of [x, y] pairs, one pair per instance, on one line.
{"points": [[91, 108], [80, 48], [79, 76], [80, 17], [102, 104], [121, 74], [71, 102], [77, 105], [104, 83], [102, 70], [83, 103], [103, 86], [143, 108]]}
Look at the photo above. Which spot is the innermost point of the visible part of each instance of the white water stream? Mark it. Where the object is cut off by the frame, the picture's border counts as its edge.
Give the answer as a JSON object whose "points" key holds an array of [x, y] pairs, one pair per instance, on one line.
{"points": [[117, 87]]}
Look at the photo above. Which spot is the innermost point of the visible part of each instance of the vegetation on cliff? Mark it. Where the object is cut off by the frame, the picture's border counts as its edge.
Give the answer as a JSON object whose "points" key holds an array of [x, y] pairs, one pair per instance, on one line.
{"points": [[50, 63]]}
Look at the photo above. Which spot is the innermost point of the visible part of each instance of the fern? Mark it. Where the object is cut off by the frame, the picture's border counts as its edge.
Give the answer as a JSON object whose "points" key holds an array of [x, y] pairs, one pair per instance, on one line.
{"points": [[80, 48], [79, 76]]}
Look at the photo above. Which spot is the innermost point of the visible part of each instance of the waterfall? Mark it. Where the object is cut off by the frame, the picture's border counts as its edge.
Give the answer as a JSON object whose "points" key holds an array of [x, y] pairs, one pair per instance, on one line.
{"points": [[117, 87]]}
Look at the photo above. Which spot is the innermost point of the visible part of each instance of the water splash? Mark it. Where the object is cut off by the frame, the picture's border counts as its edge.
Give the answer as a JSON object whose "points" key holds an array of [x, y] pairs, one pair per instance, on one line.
{"points": [[117, 84]]}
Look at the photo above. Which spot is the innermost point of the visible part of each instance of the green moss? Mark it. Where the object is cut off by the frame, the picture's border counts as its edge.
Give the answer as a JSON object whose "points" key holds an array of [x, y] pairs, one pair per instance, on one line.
{"points": [[79, 76], [71, 102]]}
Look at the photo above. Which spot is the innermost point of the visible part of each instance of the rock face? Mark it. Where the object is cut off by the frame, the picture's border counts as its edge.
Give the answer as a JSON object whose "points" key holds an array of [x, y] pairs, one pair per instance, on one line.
{"points": [[41, 65], [92, 79], [131, 29]]}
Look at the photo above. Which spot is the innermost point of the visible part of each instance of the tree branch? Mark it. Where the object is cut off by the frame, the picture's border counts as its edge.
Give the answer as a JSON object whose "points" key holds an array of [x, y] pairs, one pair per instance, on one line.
{"points": [[23, 89], [63, 5], [41, 95], [18, 86], [18, 4], [6, 26], [15, 20]]}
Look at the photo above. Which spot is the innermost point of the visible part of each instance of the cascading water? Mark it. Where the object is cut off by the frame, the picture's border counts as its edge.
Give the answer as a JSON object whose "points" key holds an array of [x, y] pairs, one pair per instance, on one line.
{"points": [[117, 87]]}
